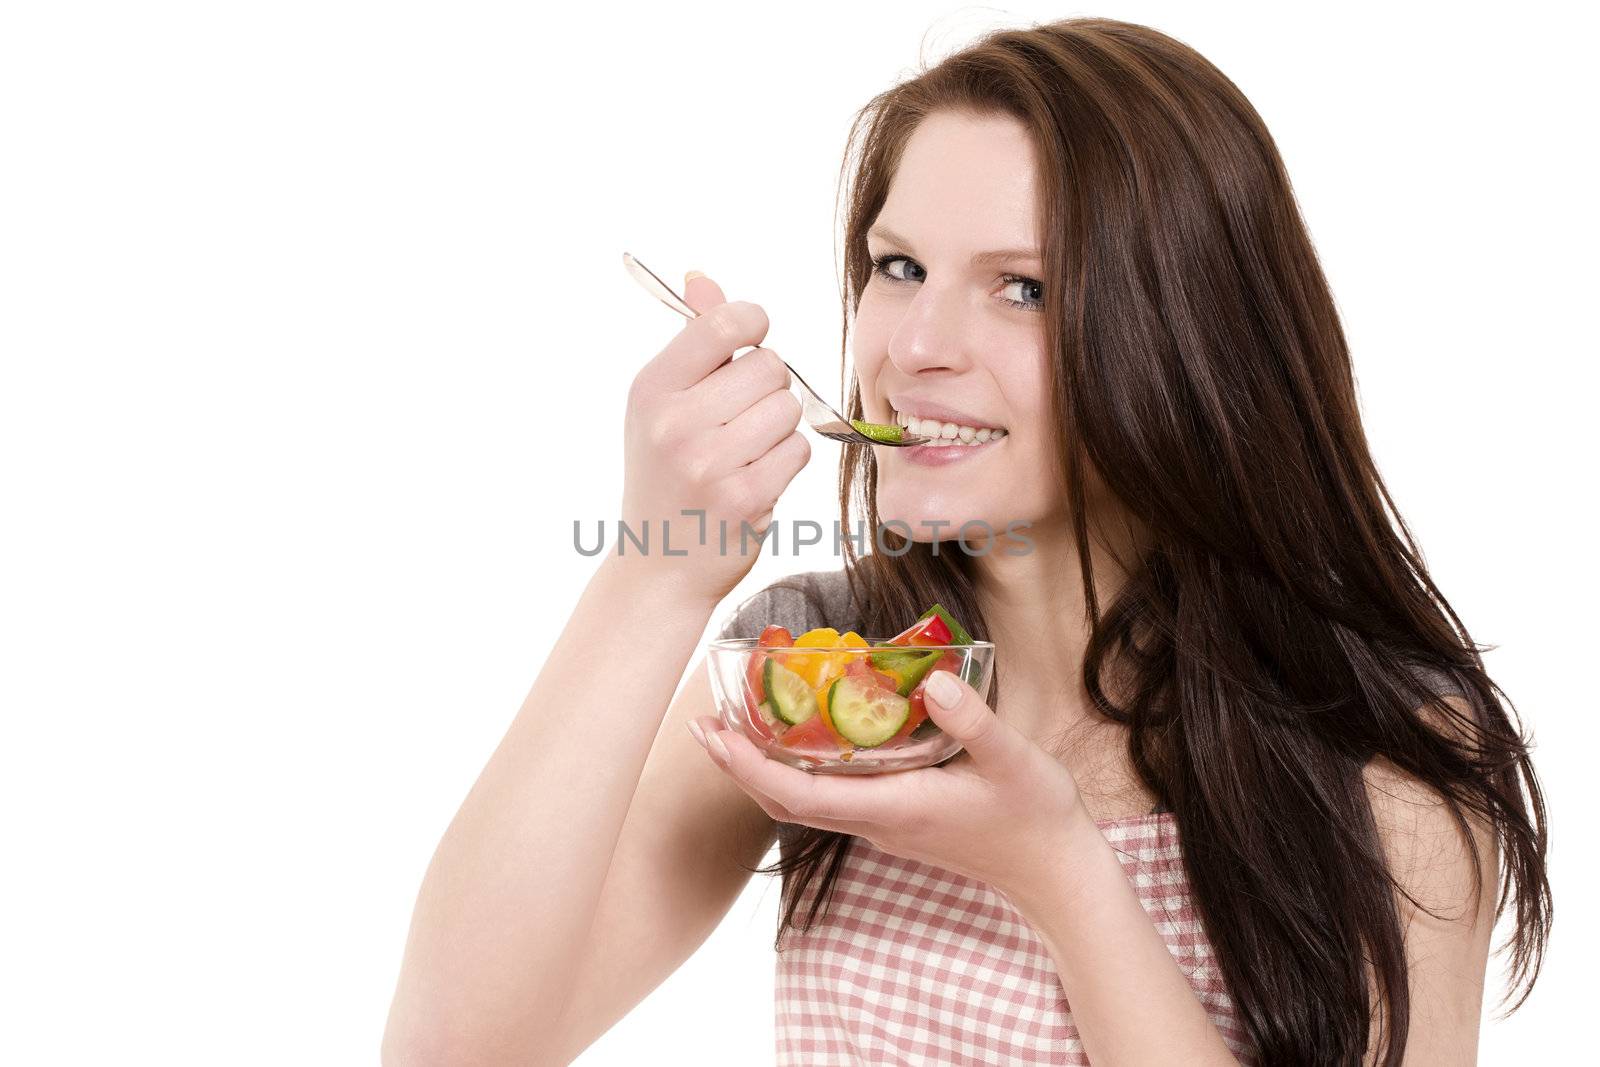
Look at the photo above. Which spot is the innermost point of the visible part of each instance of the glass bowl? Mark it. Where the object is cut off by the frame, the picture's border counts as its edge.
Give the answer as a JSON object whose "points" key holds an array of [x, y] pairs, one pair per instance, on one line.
{"points": [[782, 699]]}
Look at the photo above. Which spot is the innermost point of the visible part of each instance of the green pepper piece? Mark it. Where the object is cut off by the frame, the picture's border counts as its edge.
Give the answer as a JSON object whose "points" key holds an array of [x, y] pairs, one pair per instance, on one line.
{"points": [[906, 665]]}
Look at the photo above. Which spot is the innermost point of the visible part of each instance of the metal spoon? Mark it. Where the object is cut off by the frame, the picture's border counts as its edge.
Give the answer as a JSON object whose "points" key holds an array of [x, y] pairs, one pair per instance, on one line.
{"points": [[819, 414]]}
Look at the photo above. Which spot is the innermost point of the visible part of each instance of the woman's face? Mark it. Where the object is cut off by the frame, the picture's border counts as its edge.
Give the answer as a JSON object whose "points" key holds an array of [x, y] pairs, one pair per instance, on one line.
{"points": [[942, 337]]}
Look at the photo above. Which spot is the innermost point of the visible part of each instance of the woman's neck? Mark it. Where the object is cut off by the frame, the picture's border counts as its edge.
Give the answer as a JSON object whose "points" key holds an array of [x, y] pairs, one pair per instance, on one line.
{"points": [[1036, 611]]}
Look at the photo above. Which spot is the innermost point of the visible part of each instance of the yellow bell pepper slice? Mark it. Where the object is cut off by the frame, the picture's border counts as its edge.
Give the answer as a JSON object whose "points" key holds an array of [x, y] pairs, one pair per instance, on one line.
{"points": [[834, 664], [820, 668], [810, 665]]}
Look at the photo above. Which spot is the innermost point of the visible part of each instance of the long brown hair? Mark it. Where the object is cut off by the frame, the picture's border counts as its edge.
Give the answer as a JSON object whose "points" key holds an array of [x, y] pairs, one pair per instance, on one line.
{"points": [[1277, 623]]}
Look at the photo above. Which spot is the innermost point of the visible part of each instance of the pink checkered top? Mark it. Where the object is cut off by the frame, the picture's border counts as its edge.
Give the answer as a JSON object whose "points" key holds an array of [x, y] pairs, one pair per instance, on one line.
{"points": [[914, 964]]}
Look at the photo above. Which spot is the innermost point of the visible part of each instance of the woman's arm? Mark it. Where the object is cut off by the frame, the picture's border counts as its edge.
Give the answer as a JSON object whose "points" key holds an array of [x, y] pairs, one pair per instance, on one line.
{"points": [[507, 904], [1132, 1004], [1447, 940], [508, 899]]}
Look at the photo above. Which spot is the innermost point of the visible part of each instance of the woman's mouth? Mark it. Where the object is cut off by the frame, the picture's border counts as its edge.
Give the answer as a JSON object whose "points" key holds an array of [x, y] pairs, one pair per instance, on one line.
{"points": [[950, 442]]}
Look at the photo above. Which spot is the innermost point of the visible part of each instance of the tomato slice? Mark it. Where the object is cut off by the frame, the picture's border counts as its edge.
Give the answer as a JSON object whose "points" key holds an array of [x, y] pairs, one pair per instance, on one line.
{"points": [[816, 737], [861, 666], [775, 637]]}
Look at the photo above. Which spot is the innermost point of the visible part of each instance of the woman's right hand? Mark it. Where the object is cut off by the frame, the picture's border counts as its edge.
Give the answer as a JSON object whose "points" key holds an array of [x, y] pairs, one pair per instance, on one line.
{"points": [[708, 432]]}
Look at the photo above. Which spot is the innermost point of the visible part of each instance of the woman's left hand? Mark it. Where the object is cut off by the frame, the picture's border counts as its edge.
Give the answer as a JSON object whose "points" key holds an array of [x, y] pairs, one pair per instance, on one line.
{"points": [[990, 816]]}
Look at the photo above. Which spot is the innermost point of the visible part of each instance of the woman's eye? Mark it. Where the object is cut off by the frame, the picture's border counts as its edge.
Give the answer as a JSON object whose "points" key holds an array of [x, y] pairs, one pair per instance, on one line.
{"points": [[1031, 291], [881, 266]]}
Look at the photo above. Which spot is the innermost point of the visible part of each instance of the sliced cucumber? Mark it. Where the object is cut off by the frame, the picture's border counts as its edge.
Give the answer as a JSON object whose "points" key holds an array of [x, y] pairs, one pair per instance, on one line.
{"points": [[791, 698], [878, 431], [866, 714], [775, 724]]}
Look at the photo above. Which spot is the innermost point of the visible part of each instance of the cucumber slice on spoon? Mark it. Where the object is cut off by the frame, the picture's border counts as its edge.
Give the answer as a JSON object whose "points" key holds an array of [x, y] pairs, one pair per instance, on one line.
{"points": [[878, 431]]}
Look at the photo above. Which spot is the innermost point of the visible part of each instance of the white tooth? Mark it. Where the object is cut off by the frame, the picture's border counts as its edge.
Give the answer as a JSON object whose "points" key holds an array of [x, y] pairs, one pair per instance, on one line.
{"points": [[982, 435], [913, 424], [948, 430], [966, 433]]}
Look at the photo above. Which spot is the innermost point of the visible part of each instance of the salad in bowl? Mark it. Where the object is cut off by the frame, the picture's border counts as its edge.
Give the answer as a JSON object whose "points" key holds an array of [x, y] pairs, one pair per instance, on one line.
{"points": [[840, 703]]}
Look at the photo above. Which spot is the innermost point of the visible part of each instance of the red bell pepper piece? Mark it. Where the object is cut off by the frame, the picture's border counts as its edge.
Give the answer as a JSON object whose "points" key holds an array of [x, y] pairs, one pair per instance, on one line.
{"points": [[929, 631]]}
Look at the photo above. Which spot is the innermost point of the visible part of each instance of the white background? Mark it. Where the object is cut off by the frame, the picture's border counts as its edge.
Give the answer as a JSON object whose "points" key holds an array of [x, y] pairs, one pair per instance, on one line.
{"points": [[316, 339]]}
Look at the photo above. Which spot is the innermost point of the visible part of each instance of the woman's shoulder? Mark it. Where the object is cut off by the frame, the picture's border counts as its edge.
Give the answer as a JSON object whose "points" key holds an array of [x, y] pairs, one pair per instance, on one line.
{"points": [[798, 602]]}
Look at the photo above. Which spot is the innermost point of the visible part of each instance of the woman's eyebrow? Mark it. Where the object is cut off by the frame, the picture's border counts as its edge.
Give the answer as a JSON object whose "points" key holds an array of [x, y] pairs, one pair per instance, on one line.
{"points": [[1002, 255]]}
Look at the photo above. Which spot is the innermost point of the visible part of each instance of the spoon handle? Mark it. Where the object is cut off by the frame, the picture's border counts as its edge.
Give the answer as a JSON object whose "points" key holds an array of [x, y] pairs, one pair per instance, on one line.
{"points": [[656, 287], [822, 416]]}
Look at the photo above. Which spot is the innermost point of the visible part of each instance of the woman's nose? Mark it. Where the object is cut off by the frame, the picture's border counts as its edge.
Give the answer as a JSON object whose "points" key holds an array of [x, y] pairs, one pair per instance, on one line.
{"points": [[931, 334]]}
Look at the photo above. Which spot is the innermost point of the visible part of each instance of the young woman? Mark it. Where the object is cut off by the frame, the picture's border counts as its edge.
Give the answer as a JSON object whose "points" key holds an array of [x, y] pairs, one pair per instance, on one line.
{"points": [[1249, 795]]}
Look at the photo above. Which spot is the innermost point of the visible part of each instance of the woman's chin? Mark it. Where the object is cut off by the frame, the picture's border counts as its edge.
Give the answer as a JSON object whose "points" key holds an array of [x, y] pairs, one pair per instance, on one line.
{"points": [[926, 519]]}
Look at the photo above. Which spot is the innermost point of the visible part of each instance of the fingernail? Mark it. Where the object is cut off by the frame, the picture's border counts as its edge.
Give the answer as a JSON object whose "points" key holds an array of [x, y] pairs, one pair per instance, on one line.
{"points": [[944, 688], [691, 276], [694, 730], [718, 749]]}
